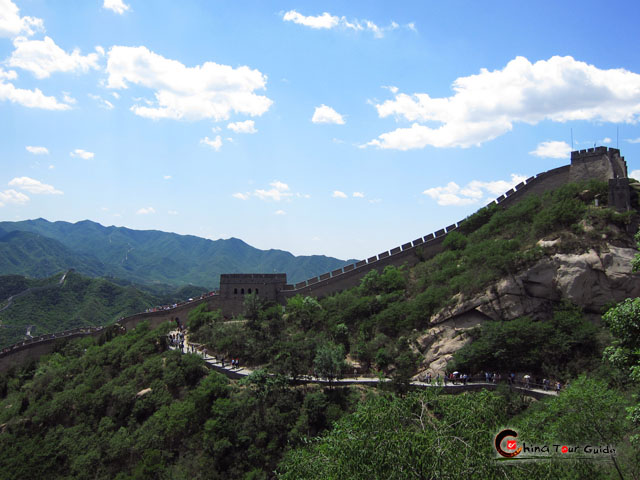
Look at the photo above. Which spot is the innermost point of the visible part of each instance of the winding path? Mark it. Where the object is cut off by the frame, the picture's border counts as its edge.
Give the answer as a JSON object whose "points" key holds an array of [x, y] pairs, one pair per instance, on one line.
{"points": [[236, 373]]}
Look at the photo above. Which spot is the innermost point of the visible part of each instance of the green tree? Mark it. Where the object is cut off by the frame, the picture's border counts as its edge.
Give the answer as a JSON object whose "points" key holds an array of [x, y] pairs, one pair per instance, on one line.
{"points": [[624, 352], [303, 311], [329, 361], [252, 307]]}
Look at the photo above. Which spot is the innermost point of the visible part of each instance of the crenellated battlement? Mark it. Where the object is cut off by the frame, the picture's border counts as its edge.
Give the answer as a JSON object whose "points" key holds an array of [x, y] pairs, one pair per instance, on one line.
{"points": [[599, 163], [594, 151]]}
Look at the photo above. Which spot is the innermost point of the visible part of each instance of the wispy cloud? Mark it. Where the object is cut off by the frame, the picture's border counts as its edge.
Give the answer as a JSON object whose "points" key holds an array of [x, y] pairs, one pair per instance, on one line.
{"points": [[34, 186], [279, 191], [473, 192], [327, 21], [37, 150], [552, 149], [247, 126], [216, 143], [116, 6], [79, 153]]}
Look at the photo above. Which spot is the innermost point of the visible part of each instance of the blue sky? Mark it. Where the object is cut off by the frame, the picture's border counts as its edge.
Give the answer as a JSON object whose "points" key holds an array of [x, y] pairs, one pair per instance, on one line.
{"points": [[336, 128]]}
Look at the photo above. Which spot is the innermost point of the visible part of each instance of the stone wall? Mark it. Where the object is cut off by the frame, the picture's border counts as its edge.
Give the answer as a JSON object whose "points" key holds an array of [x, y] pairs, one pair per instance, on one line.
{"points": [[601, 163], [422, 248], [34, 348]]}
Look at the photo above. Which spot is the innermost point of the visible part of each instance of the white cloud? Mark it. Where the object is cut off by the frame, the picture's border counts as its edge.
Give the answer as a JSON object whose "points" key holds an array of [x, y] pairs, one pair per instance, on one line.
{"points": [[552, 149], [167, 177], [27, 98], [280, 212], [633, 140], [328, 21], [325, 114], [453, 194], [8, 75], [106, 104], [146, 211], [34, 186], [44, 57], [358, 195], [117, 6], [486, 105], [325, 20], [11, 196], [338, 194], [216, 143], [278, 192], [605, 140], [635, 174], [207, 91], [243, 127], [172, 212], [37, 150], [51, 167], [67, 98], [78, 152], [12, 24]]}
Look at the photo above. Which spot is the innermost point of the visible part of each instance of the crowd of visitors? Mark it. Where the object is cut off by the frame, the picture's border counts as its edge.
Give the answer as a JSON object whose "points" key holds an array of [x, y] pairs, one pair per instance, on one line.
{"points": [[455, 378], [176, 305]]}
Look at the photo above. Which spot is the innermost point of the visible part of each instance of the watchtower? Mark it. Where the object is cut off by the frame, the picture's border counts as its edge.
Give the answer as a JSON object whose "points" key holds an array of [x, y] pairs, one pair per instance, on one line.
{"points": [[264, 285], [606, 164]]}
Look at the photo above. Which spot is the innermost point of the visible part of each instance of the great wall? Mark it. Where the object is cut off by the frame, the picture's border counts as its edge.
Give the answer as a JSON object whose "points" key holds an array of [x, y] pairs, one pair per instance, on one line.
{"points": [[600, 163]]}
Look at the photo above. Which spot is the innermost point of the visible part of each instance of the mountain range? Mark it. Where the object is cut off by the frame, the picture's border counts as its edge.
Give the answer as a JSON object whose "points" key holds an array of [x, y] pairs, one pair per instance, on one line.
{"points": [[39, 248]]}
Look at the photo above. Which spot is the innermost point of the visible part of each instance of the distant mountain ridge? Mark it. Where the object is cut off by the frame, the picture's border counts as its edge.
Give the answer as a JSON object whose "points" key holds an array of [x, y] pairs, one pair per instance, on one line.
{"points": [[40, 248]]}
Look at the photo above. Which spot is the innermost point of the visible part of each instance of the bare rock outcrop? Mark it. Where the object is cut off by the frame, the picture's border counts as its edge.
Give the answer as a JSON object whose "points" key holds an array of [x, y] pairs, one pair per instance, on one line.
{"points": [[591, 280]]}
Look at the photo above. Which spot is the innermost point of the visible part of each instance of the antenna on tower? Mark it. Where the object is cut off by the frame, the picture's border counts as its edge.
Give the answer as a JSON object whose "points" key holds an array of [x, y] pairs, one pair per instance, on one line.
{"points": [[572, 139]]}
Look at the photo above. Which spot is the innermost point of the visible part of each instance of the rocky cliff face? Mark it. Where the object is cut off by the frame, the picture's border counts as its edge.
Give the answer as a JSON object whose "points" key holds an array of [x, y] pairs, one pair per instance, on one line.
{"points": [[591, 280]]}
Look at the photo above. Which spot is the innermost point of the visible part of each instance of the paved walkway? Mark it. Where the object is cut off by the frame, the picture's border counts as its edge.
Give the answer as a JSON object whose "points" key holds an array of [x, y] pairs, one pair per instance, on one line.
{"points": [[241, 372]]}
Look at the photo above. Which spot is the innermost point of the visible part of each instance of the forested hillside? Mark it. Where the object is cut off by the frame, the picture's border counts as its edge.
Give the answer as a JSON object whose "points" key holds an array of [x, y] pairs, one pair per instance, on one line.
{"points": [[48, 306], [125, 406]]}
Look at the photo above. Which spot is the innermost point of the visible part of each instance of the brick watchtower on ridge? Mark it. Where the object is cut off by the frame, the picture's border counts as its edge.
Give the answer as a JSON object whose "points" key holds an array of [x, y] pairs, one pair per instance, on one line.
{"points": [[264, 285], [606, 164]]}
